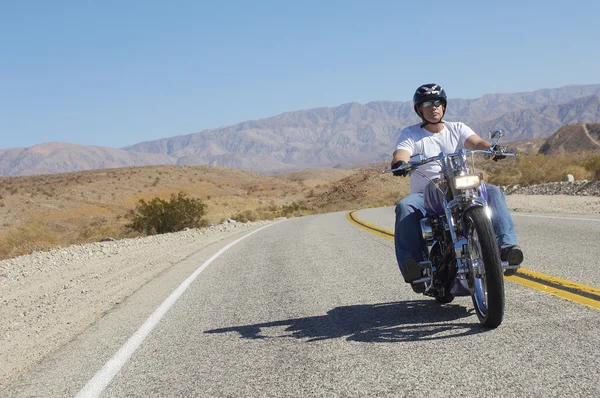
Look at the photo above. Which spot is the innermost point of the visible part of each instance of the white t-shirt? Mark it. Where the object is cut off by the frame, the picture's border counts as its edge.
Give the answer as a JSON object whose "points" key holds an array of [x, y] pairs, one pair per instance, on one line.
{"points": [[417, 140]]}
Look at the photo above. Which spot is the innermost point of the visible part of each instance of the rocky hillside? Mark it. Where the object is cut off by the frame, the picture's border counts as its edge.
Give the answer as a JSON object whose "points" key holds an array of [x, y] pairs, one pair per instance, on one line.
{"points": [[573, 138], [345, 136]]}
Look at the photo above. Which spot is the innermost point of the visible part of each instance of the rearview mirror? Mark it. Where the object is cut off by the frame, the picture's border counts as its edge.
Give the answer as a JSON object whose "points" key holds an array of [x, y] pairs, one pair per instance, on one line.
{"points": [[496, 135]]}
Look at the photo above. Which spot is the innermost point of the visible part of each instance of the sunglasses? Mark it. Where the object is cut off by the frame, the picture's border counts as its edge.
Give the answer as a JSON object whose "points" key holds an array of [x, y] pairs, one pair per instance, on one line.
{"points": [[429, 104]]}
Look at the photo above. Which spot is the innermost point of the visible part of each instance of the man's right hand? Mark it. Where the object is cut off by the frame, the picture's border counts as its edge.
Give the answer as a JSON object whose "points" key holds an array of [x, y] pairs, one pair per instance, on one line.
{"points": [[399, 173]]}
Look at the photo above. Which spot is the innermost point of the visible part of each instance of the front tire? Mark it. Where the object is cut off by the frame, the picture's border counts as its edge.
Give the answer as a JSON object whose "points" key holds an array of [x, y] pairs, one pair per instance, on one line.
{"points": [[486, 276]]}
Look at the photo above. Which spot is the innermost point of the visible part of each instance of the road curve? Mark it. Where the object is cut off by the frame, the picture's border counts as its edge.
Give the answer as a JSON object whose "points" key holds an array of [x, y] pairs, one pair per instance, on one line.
{"points": [[315, 306]]}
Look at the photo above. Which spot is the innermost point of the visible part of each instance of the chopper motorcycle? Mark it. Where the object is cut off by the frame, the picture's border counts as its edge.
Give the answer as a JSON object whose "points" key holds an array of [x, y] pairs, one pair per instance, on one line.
{"points": [[460, 250]]}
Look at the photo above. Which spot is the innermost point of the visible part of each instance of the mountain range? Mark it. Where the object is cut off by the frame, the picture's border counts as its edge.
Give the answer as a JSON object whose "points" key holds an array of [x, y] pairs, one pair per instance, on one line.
{"points": [[348, 135]]}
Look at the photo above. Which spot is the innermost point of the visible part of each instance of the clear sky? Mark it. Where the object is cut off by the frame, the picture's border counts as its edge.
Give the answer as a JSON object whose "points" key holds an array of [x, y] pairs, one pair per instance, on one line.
{"points": [[118, 72]]}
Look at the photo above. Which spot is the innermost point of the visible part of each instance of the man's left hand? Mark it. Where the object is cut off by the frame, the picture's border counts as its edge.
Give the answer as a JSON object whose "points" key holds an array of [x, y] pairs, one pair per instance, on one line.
{"points": [[498, 152]]}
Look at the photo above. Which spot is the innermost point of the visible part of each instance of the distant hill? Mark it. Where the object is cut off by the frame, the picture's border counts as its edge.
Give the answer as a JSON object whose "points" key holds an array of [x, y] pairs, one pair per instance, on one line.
{"points": [[348, 135], [573, 138], [59, 157]]}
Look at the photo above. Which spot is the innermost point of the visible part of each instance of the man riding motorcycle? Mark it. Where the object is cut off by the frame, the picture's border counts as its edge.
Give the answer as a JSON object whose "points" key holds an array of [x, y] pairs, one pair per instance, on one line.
{"points": [[430, 137]]}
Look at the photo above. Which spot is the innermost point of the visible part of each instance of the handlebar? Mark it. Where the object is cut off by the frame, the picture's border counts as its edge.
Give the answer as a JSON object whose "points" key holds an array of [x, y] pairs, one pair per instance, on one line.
{"points": [[421, 160]]}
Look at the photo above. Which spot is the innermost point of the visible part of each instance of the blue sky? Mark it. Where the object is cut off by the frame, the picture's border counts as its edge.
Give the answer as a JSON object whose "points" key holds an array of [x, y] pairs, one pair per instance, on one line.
{"points": [[115, 73]]}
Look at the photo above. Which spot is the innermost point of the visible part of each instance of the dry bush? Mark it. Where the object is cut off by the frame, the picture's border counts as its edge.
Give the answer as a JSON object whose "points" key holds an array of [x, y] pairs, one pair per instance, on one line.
{"points": [[538, 169], [593, 166], [294, 209], [95, 232], [28, 238], [160, 216], [578, 172], [245, 216]]}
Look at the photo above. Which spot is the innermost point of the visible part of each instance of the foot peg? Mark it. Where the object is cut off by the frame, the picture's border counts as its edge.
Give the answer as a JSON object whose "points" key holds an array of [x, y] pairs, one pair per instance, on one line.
{"points": [[509, 270]]}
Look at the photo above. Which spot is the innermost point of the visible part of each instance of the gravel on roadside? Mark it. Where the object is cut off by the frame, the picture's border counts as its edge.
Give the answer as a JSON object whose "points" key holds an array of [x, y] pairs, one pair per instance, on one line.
{"points": [[575, 188]]}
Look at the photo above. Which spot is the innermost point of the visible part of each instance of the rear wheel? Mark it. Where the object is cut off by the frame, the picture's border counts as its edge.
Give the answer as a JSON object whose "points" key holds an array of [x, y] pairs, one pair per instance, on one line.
{"points": [[486, 278], [441, 281]]}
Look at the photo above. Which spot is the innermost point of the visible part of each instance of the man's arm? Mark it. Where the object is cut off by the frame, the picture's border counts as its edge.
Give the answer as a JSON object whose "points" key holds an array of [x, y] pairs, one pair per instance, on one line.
{"points": [[476, 142], [400, 154]]}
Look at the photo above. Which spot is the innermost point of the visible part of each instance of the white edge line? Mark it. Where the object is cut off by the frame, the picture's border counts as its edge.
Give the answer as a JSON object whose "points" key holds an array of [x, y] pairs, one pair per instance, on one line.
{"points": [[556, 217], [102, 379]]}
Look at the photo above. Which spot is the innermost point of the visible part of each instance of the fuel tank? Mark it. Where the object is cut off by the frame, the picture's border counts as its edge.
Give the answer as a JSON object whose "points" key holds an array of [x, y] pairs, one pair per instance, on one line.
{"points": [[434, 199]]}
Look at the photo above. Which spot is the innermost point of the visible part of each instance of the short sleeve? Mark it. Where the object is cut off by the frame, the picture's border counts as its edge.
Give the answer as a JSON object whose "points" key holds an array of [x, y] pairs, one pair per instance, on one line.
{"points": [[465, 132], [406, 141]]}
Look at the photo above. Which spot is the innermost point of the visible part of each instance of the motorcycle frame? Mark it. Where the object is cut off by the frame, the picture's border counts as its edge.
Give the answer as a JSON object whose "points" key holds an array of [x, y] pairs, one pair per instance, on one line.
{"points": [[462, 200]]}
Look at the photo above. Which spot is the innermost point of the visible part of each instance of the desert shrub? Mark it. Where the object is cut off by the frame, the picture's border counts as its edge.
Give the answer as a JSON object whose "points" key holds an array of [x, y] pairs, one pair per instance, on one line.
{"points": [[578, 172], [292, 209], [537, 169], [245, 216], [271, 212], [541, 168], [593, 166], [26, 239], [99, 229], [160, 216]]}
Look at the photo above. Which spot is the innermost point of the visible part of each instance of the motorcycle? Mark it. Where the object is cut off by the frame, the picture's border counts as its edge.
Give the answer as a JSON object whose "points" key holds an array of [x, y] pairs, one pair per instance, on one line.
{"points": [[460, 250]]}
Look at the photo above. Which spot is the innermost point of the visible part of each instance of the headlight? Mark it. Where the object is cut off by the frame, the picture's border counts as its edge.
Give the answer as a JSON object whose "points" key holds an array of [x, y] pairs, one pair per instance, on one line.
{"points": [[469, 181]]}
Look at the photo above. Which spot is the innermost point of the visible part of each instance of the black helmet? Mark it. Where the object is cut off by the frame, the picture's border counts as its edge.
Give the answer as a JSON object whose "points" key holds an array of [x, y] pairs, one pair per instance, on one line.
{"points": [[428, 92]]}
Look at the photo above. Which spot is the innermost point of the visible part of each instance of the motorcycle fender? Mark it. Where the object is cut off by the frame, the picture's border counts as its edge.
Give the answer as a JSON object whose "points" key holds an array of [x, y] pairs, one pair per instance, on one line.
{"points": [[477, 204]]}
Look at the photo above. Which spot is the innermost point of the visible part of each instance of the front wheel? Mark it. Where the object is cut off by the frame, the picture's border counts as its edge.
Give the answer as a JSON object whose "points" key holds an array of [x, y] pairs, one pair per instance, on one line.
{"points": [[486, 276]]}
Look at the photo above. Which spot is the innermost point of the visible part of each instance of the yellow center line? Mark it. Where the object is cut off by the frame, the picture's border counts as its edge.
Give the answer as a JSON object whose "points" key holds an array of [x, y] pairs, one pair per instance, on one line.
{"points": [[563, 288]]}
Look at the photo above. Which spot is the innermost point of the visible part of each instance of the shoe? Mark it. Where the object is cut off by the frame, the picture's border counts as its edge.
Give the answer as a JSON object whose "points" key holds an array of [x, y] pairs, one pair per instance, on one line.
{"points": [[412, 272], [514, 256], [418, 287]]}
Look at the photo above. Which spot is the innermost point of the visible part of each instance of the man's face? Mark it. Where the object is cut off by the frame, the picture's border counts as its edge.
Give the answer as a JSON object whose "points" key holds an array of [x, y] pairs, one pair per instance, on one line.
{"points": [[433, 110]]}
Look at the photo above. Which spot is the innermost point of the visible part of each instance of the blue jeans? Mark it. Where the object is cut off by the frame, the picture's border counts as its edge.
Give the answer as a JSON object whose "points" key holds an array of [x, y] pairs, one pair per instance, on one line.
{"points": [[411, 209]]}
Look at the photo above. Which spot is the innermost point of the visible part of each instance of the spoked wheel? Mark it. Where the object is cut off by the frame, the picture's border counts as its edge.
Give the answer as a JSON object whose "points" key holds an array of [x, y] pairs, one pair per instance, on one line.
{"points": [[486, 279], [436, 257]]}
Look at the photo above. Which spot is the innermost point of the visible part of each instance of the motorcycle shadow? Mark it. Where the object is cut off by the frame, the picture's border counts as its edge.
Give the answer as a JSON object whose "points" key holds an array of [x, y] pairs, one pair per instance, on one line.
{"points": [[403, 321]]}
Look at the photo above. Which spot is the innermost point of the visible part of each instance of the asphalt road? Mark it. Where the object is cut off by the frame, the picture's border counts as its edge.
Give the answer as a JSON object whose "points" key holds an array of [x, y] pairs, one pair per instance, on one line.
{"points": [[315, 306]]}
